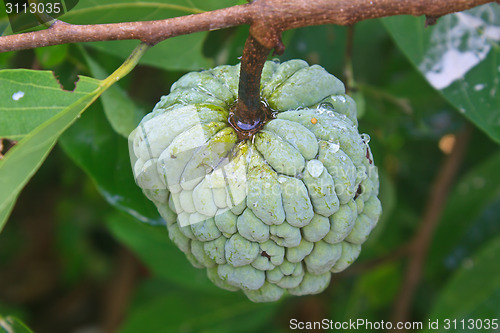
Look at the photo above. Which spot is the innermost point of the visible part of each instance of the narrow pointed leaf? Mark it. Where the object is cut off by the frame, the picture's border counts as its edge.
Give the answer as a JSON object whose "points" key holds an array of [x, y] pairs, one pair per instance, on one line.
{"points": [[24, 159]]}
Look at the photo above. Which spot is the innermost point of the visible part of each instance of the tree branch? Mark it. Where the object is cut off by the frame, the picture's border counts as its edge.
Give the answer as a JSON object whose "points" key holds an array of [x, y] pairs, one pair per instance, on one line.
{"points": [[150, 32], [266, 17], [430, 219]]}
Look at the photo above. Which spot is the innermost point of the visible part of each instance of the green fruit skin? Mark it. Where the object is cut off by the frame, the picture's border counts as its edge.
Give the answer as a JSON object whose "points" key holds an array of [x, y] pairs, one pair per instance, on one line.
{"points": [[272, 215]]}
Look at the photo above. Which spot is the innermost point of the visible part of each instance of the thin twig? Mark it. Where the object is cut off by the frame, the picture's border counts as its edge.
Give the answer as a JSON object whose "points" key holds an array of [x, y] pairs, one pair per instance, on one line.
{"points": [[430, 219], [266, 17], [402, 103]]}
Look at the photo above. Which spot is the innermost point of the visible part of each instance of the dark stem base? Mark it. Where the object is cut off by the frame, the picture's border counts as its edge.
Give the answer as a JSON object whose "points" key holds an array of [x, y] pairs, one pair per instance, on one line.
{"points": [[250, 113]]}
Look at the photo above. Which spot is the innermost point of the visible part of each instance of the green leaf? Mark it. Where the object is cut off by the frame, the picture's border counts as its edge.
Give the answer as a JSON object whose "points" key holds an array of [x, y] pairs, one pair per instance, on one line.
{"points": [[122, 113], [5, 58], [315, 44], [22, 160], [460, 57], [4, 19], [477, 189], [13, 325], [103, 154], [474, 291], [375, 288], [480, 231], [162, 308], [179, 53], [130, 10], [30, 98], [5, 212], [51, 56], [153, 246]]}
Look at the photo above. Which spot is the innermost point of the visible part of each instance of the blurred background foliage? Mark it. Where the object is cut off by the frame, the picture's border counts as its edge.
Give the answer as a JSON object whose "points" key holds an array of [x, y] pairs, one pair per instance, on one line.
{"points": [[84, 251]]}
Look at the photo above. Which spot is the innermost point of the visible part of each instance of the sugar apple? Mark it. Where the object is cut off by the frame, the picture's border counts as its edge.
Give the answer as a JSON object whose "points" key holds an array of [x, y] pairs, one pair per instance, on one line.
{"points": [[277, 212]]}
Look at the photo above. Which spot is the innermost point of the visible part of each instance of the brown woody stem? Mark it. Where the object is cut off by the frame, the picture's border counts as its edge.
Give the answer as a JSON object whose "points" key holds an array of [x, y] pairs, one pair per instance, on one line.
{"points": [[261, 14], [250, 114]]}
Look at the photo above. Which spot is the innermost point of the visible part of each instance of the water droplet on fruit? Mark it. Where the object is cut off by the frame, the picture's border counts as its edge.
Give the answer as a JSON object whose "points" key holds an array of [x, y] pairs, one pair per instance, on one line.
{"points": [[276, 61], [315, 168], [333, 148], [365, 137], [326, 106]]}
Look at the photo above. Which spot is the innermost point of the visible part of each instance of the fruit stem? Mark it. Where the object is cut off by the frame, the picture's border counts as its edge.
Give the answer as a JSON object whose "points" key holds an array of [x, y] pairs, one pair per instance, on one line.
{"points": [[250, 113]]}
